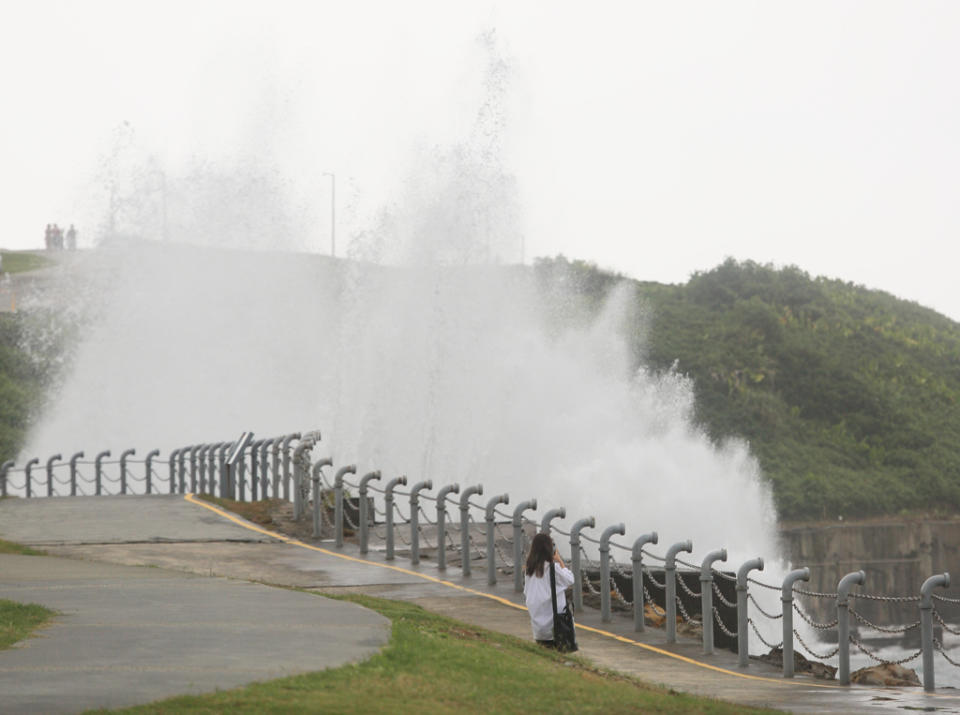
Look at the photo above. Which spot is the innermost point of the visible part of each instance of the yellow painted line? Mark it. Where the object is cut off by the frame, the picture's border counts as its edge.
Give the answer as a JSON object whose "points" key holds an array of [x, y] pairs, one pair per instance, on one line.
{"points": [[622, 639]]}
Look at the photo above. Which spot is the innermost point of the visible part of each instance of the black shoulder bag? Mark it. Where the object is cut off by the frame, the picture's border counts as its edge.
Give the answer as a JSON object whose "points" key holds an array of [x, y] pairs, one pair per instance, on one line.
{"points": [[564, 634]]}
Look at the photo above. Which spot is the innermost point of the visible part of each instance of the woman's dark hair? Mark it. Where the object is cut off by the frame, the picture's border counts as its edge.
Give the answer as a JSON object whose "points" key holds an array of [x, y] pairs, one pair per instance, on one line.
{"points": [[541, 552]]}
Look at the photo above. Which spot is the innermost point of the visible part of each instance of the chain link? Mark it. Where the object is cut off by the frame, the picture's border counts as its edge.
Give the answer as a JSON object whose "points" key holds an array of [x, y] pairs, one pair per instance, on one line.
{"points": [[760, 636], [686, 588], [771, 616], [426, 518], [813, 594], [873, 656], [723, 626], [653, 604], [811, 651], [686, 616], [814, 624], [945, 599], [939, 646], [761, 584], [616, 592], [654, 581], [652, 556], [943, 624], [724, 601], [898, 629], [887, 599]]}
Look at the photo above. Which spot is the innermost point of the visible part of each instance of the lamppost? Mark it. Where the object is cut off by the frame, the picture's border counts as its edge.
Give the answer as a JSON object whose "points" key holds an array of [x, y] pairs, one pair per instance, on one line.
{"points": [[333, 212]]}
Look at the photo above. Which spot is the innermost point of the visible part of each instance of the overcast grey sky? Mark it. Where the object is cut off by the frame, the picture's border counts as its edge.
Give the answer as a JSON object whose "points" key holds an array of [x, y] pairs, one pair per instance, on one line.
{"points": [[652, 138]]}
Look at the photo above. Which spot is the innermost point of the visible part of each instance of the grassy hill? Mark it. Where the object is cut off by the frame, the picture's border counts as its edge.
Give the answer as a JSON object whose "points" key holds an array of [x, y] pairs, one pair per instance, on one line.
{"points": [[848, 396]]}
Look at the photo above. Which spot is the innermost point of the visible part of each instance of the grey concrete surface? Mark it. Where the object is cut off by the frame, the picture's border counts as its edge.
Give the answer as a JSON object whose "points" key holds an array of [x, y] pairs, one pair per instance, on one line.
{"points": [[128, 635], [333, 571], [114, 519]]}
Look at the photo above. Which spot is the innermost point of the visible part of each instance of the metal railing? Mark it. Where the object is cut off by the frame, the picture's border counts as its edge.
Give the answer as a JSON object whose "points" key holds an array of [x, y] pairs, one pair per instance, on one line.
{"points": [[282, 467]]}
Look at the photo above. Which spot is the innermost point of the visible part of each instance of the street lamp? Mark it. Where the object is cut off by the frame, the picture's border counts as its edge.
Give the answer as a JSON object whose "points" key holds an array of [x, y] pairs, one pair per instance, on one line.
{"points": [[333, 212]]}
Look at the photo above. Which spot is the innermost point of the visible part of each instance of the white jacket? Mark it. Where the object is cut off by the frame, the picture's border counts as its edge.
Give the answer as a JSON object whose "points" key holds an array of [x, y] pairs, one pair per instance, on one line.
{"points": [[536, 591]]}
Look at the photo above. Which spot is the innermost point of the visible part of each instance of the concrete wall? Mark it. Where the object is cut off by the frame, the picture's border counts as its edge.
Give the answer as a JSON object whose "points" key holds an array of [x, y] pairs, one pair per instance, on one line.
{"points": [[896, 557]]}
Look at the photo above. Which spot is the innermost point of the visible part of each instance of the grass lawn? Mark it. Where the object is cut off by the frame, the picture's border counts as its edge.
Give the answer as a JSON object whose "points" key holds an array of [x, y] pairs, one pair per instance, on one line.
{"points": [[17, 262], [434, 664], [8, 547], [19, 620]]}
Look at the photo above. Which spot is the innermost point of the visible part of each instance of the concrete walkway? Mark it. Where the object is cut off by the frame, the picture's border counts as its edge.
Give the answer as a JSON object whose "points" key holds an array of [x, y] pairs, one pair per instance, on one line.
{"points": [[613, 645], [128, 635]]}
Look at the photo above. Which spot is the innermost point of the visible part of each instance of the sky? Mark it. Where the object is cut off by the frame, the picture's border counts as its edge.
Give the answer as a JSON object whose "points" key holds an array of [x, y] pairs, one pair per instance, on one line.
{"points": [[655, 139]]}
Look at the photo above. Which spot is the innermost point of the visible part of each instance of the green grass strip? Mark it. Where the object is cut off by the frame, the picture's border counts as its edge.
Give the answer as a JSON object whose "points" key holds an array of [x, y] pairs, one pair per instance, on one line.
{"points": [[438, 665], [17, 262], [19, 620], [9, 547]]}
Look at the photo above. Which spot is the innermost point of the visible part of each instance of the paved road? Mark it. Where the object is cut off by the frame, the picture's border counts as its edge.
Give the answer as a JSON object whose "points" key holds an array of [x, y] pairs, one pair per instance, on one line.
{"points": [[129, 635]]}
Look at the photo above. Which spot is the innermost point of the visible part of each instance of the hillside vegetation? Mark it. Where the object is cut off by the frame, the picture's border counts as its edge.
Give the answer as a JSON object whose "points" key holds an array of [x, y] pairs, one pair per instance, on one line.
{"points": [[847, 396]]}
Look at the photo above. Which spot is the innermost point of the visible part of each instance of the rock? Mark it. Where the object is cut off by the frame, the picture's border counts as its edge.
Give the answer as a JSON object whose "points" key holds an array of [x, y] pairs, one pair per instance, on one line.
{"points": [[889, 674], [690, 630], [652, 617], [820, 671]]}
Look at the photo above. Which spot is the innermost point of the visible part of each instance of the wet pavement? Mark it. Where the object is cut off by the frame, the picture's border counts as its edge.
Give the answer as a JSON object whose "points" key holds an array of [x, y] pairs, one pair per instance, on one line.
{"points": [[322, 567]]}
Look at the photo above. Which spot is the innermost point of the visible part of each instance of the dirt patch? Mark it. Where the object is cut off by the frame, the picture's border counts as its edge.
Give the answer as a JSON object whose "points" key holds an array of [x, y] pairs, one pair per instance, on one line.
{"points": [[277, 515]]}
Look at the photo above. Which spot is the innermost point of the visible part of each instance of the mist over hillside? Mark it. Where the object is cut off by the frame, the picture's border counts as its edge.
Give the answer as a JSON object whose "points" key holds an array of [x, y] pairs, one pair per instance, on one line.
{"points": [[847, 396]]}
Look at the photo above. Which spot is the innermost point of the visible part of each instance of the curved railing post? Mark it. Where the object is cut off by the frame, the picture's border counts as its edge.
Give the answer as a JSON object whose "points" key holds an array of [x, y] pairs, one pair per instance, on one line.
{"points": [[415, 518], [559, 513], [194, 451], [298, 476], [50, 462], [575, 530], [786, 596], [442, 523], [743, 632], [275, 471], [926, 625], [605, 568], [286, 463], [364, 507], [98, 470], [855, 578], [254, 472], [670, 579], [489, 518], [706, 596], [148, 467], [171, 469], [338, 501], [123, 468], [315, 474], [388, 498], [222, 470], [212, 467], [518, 542], [636, 559], [28, 477], [73, 472], [4, 468], [465, 525], [182, 469], [202, 460], [265, 468]]}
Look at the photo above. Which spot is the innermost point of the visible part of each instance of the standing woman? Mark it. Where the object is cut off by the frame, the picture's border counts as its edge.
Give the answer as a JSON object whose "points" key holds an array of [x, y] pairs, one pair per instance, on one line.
{"points": [[536, 588]]}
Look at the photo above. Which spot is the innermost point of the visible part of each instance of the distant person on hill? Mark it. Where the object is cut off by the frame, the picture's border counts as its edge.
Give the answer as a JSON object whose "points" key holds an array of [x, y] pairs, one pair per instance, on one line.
{"points": [[71, 238], [536, 587], [48, 237]]}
